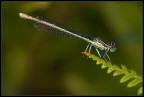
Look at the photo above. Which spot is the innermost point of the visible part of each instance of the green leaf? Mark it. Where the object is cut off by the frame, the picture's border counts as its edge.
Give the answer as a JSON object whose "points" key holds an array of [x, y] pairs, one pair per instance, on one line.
{"points": [[133, 72], [110, 70], [116, 73], [104, 65], [94, 57], [134, 82], [124, 67], [116, 67], [98, 62], [126, 78], [109, 64], [139, 91], [90, 56]]}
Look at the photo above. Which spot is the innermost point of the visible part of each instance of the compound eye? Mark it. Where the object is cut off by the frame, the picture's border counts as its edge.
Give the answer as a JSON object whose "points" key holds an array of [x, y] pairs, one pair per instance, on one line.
{"points": [[112, 49], [112, 44]]}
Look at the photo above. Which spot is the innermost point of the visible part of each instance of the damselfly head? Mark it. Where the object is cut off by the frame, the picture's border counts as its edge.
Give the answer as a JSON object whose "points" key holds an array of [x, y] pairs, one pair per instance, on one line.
{"points": [[113, 48]]}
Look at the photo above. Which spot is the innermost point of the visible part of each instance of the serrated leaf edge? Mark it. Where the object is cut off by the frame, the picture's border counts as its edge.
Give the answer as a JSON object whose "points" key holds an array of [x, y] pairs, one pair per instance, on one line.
{"points": [[115, 68]]}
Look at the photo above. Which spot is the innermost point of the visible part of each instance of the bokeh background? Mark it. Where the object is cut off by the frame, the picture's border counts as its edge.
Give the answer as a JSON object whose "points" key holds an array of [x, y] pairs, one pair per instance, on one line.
{"points": [[35, 64]]}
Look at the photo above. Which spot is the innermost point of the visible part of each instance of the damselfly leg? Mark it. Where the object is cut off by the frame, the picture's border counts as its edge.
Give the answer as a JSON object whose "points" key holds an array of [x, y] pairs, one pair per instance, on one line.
{"points": [[98, 52], [90, 48], [107, 56], [86, 49]]}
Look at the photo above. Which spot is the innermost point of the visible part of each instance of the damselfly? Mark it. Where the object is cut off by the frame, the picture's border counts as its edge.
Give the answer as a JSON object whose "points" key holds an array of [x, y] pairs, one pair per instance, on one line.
{"points": [[95, 42]]}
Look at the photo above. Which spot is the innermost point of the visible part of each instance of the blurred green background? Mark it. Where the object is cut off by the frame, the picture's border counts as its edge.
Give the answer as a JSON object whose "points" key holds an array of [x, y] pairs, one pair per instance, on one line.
{"points": [[35, 64]]}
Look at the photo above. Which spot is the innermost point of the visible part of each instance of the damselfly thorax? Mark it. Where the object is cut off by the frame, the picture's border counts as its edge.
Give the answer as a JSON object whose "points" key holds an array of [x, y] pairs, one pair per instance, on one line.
{"points": [[99, 44]]}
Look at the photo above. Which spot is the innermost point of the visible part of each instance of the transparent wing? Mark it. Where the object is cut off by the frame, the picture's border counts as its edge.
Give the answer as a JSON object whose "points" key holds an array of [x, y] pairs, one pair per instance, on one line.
{"points": [[55, 32]]}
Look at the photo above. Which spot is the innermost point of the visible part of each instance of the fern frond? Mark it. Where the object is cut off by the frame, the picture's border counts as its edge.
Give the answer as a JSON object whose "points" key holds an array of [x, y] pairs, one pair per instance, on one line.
{"points": [[128, 73]]}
